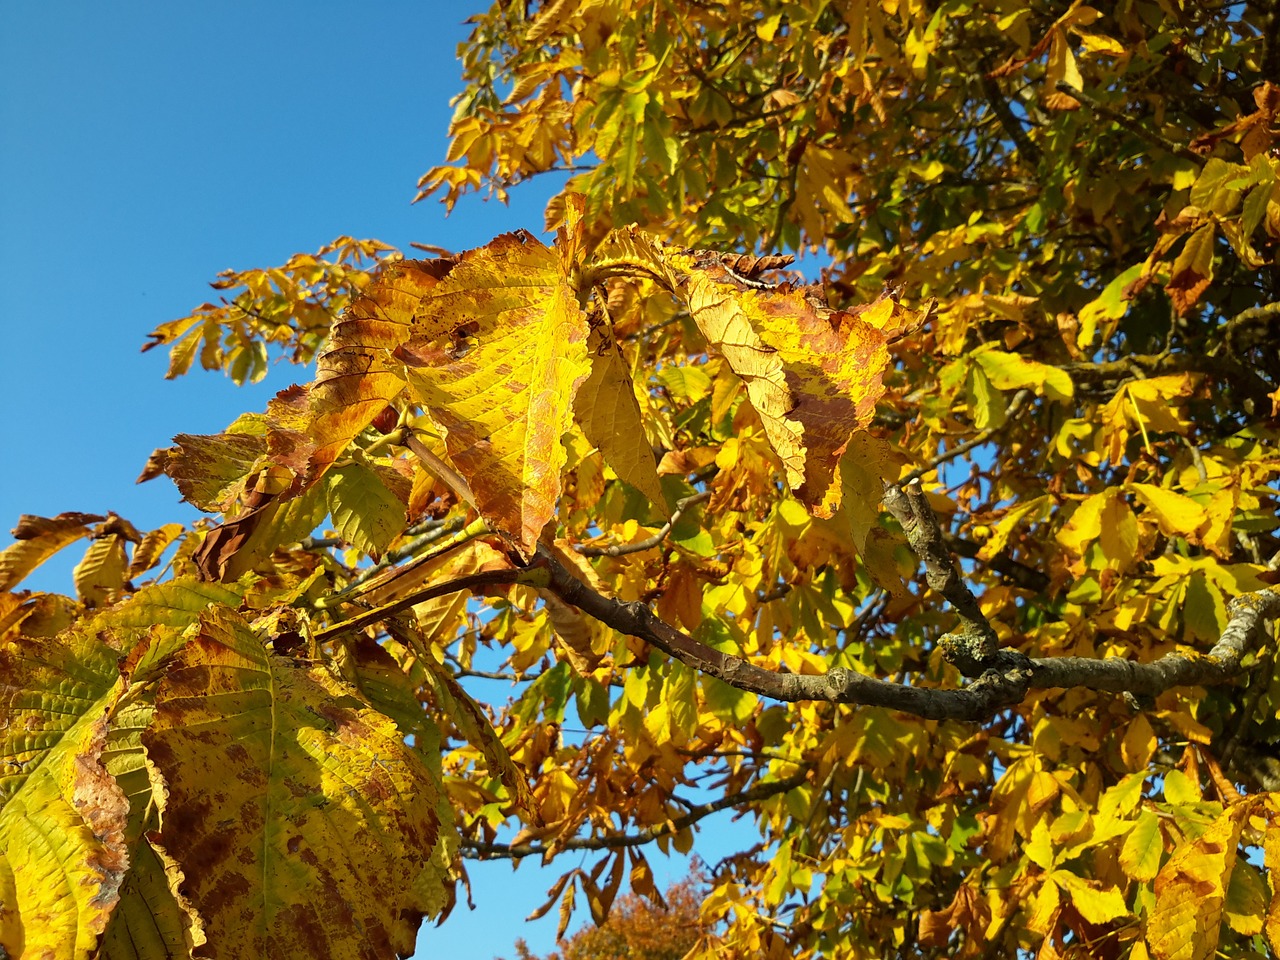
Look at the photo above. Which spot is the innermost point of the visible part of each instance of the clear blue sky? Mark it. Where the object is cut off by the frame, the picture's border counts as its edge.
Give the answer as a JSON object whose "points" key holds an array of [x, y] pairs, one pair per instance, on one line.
{"points": [[143, 148]]}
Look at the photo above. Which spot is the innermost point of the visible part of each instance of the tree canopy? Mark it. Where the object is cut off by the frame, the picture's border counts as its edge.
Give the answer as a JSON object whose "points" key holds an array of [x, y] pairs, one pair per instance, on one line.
{"points": [[949, 571]]}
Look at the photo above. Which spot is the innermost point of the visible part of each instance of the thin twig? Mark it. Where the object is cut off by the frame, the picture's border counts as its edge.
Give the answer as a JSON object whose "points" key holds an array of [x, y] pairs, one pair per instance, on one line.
{"points": [[1151, 137], [1015, 571], [481, 850], [393, 557], [1014, 408], [485, 578], [620, 549]]}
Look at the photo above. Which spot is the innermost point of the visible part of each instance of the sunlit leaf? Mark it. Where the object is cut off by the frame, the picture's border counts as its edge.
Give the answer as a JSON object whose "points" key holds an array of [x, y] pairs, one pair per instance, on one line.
{"points": [[360, 804], [498, 352]]}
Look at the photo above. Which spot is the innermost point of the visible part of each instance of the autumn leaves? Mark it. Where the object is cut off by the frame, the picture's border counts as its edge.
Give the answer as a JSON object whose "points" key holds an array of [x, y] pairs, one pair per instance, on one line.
{"points": [[507, 348]]}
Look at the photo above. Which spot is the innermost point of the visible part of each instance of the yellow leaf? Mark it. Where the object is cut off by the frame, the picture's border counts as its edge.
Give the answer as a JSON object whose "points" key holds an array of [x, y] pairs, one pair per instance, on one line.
{"points": [[62, 816], [1271, 858], [1097, 43], [1177, 515], [1085, 524], [1158, 400], [1179, 788], [39, 538], [1039, 849], [1119, 537], [1008, 371], [1190, 890], [472, 722], [1110, 305], [866, 464], [1062, 64], [767, 28], [1000, 533], [498, 352], [1045, 907], [609, 414], [1246, 902], [1139, 743], [99, 576], [365, 513], [1096, 904], [147, 553]]}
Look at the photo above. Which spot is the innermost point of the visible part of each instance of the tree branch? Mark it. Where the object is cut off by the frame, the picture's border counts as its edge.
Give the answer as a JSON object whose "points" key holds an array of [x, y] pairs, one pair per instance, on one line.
{"points": [[1151, 137], [621, 549], [975, 644], [392, 557], [1011, 125], [1010, 675], [485, 578], [1005, 681], [482, 850]]}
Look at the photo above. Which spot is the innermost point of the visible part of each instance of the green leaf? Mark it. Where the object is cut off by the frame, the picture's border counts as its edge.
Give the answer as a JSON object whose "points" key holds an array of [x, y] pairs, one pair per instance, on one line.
{"points": [[688, 384], [728, 703], [1111, 304], [679, 696], [1010, 371], [987, 405], [592, 700], [1143, 848], [365, 513]]}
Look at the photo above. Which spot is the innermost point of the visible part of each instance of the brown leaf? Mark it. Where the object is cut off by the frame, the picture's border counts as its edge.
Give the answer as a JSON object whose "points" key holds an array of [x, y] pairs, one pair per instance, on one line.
{"points": [[156, 464], [355, 376], [812, 374]]}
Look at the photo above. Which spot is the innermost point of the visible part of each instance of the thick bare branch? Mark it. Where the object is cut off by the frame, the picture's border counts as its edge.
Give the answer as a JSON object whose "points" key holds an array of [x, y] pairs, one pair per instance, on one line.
{"points": [[1009, 677], [1006, 681], [975, 643]]}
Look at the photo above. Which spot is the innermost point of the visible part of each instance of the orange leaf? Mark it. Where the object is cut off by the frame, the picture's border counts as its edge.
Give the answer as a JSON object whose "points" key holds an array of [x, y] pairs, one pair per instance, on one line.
{"points": [[812, 374], [355, 376]]}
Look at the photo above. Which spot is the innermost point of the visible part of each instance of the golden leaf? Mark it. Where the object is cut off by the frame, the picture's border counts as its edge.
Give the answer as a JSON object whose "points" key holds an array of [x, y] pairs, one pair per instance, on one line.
{"points": [[1191, 888], [39, 538], [355, 375], [498, 352], [607, 410]]}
